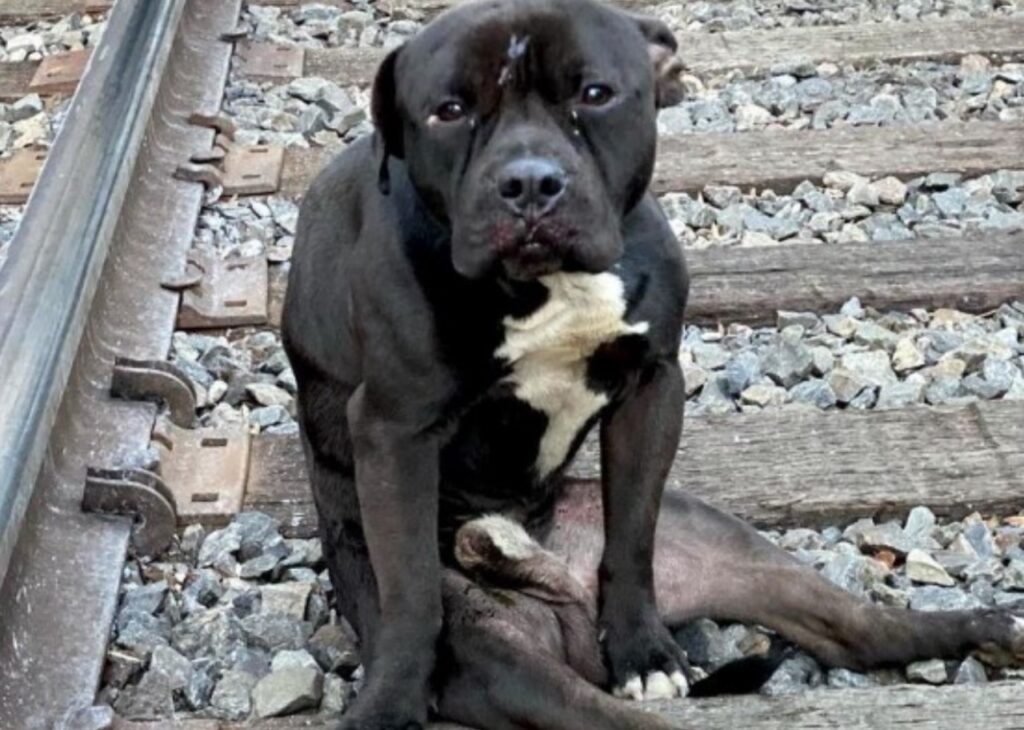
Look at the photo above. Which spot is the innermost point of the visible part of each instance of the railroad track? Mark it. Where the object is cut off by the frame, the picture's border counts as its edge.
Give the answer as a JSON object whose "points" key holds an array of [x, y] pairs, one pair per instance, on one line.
{"points": [[126, 276]]}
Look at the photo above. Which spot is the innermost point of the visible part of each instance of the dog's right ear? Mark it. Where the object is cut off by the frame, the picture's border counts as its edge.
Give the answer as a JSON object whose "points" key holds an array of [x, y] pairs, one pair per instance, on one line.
{"points": [[386, 116]]}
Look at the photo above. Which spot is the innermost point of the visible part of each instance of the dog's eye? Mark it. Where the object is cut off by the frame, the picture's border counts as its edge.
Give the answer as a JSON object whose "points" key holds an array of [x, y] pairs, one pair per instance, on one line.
{"points": [[596, 94], [450, 111]]}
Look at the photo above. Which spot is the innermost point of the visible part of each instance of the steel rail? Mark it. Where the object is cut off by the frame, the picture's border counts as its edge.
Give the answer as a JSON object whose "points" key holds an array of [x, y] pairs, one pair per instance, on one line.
{"points": [[55, 260]]}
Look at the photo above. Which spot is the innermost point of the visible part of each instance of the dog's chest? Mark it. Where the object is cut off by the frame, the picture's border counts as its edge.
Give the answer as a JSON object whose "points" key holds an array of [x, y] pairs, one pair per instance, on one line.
{"points": [[549, 352]]}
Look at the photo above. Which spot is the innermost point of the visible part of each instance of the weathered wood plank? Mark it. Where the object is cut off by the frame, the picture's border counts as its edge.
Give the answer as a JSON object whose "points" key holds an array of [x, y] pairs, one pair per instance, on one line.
{"points": [[750, 284], [936, 40], [17, 11], [784, 468], [995, 706], [781, 159], [15, 78]]}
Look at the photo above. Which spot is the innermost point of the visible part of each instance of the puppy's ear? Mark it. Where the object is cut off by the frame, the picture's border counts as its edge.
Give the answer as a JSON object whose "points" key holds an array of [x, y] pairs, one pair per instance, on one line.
{"points": [[662, 47], [386, 116]]}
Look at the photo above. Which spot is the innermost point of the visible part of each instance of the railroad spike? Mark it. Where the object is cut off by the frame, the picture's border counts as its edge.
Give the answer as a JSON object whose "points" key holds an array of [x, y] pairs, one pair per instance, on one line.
{"points": [[156, 380], [140, 494]]}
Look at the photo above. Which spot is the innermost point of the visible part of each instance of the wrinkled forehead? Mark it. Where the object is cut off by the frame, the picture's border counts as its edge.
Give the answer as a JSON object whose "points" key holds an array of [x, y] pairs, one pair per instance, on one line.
{"points": [[480, 48]]}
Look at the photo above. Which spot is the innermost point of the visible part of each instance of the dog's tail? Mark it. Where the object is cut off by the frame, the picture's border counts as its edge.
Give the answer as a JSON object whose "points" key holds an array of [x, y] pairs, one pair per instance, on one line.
{"points": [[743, 676]]}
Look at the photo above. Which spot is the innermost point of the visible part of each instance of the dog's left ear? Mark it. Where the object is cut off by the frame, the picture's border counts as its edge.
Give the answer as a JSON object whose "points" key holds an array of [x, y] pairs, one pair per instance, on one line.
{"points": [[386, 115], [662, 47]]}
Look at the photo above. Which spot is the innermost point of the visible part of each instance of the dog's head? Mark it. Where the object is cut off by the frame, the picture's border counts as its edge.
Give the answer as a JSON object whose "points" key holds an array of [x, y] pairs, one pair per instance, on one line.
{"points": [[528, 128]]}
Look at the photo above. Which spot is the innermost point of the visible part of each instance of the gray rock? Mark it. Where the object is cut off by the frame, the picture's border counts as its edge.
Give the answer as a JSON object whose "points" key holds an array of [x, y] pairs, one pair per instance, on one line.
{"points": [[26, 107], [874, 335], [850, 572], [141, 632], [794, 675], [335, 648], [230, 698], [944, 389], [787, 362], [714, 398], [287, 691], [872, 367], [741, 370], [258, 533], [846, 384], [814, 392], [292, 659], [337, 695], [1013, 576], [153, 696], [191, 539], [275, 632], [306, 88], [808, 320], [941, 180], [219, 545], [307, 553], [935, 598], [932, 671], [887, 536], [900, 395], [199, 689], [146, 598], [764, 395], [213, 633], [980, 538], [846, 679], [722, 196], [920, 522], [287, 599], [267, 394], [970, 671]]}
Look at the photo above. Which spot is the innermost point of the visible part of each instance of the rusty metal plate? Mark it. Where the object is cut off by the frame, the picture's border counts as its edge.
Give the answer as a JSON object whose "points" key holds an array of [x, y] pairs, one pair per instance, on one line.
{"points": [[271, 60], [61, 73], [253, 170], [205, 470], [18, 175], [232, 293]]}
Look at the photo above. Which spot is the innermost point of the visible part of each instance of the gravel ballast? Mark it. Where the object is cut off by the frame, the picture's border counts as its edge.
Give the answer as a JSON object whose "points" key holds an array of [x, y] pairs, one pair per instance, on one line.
{"points": [[202, 633]]}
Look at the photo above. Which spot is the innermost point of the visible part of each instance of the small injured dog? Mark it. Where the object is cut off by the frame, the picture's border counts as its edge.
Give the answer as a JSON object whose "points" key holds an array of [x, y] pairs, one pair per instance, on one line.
{"points": [[475, 287]]}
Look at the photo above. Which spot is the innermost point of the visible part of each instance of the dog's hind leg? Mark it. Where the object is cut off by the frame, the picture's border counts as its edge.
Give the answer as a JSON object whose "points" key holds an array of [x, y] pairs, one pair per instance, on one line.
{"points": [[710, 564], [502, 667]]}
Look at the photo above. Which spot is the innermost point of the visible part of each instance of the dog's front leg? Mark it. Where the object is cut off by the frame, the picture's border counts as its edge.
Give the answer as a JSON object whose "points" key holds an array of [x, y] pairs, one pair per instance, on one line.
{"points": [[396, 467], [638, 443]]}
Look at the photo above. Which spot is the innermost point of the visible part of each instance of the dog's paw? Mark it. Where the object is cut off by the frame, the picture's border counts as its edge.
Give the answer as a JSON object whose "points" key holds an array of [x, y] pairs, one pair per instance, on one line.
{"points": [[380, 714], [646, 664], [655, 686]]}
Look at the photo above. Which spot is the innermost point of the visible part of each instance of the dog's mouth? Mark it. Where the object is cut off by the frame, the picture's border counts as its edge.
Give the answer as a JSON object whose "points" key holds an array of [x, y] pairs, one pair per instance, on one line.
{"points": [[531, 249]]}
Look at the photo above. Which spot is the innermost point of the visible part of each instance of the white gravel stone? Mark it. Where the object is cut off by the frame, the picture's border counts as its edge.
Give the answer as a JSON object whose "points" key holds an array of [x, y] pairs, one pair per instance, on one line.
{"points": [[922, 568]]}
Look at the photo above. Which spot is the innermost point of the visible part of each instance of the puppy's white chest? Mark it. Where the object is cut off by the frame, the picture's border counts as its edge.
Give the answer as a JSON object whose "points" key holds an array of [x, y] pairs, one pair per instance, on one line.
{"points": [[549, 350]]}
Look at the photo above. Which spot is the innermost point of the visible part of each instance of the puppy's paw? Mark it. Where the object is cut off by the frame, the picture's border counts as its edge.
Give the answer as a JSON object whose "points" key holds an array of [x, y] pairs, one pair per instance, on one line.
{"points": [[646, 664]]}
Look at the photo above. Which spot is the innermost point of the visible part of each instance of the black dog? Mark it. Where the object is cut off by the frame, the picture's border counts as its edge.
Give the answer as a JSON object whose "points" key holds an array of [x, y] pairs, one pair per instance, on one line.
{"points": [[473, 289]]}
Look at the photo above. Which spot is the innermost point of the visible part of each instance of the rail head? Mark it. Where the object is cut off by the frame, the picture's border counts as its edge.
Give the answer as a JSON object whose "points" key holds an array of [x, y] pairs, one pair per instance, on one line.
{"points": [[56, 259]]}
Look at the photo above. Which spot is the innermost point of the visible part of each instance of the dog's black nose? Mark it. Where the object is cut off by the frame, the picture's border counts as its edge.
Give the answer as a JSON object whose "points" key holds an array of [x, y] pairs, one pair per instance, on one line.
{"points": [[532, 186]]}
